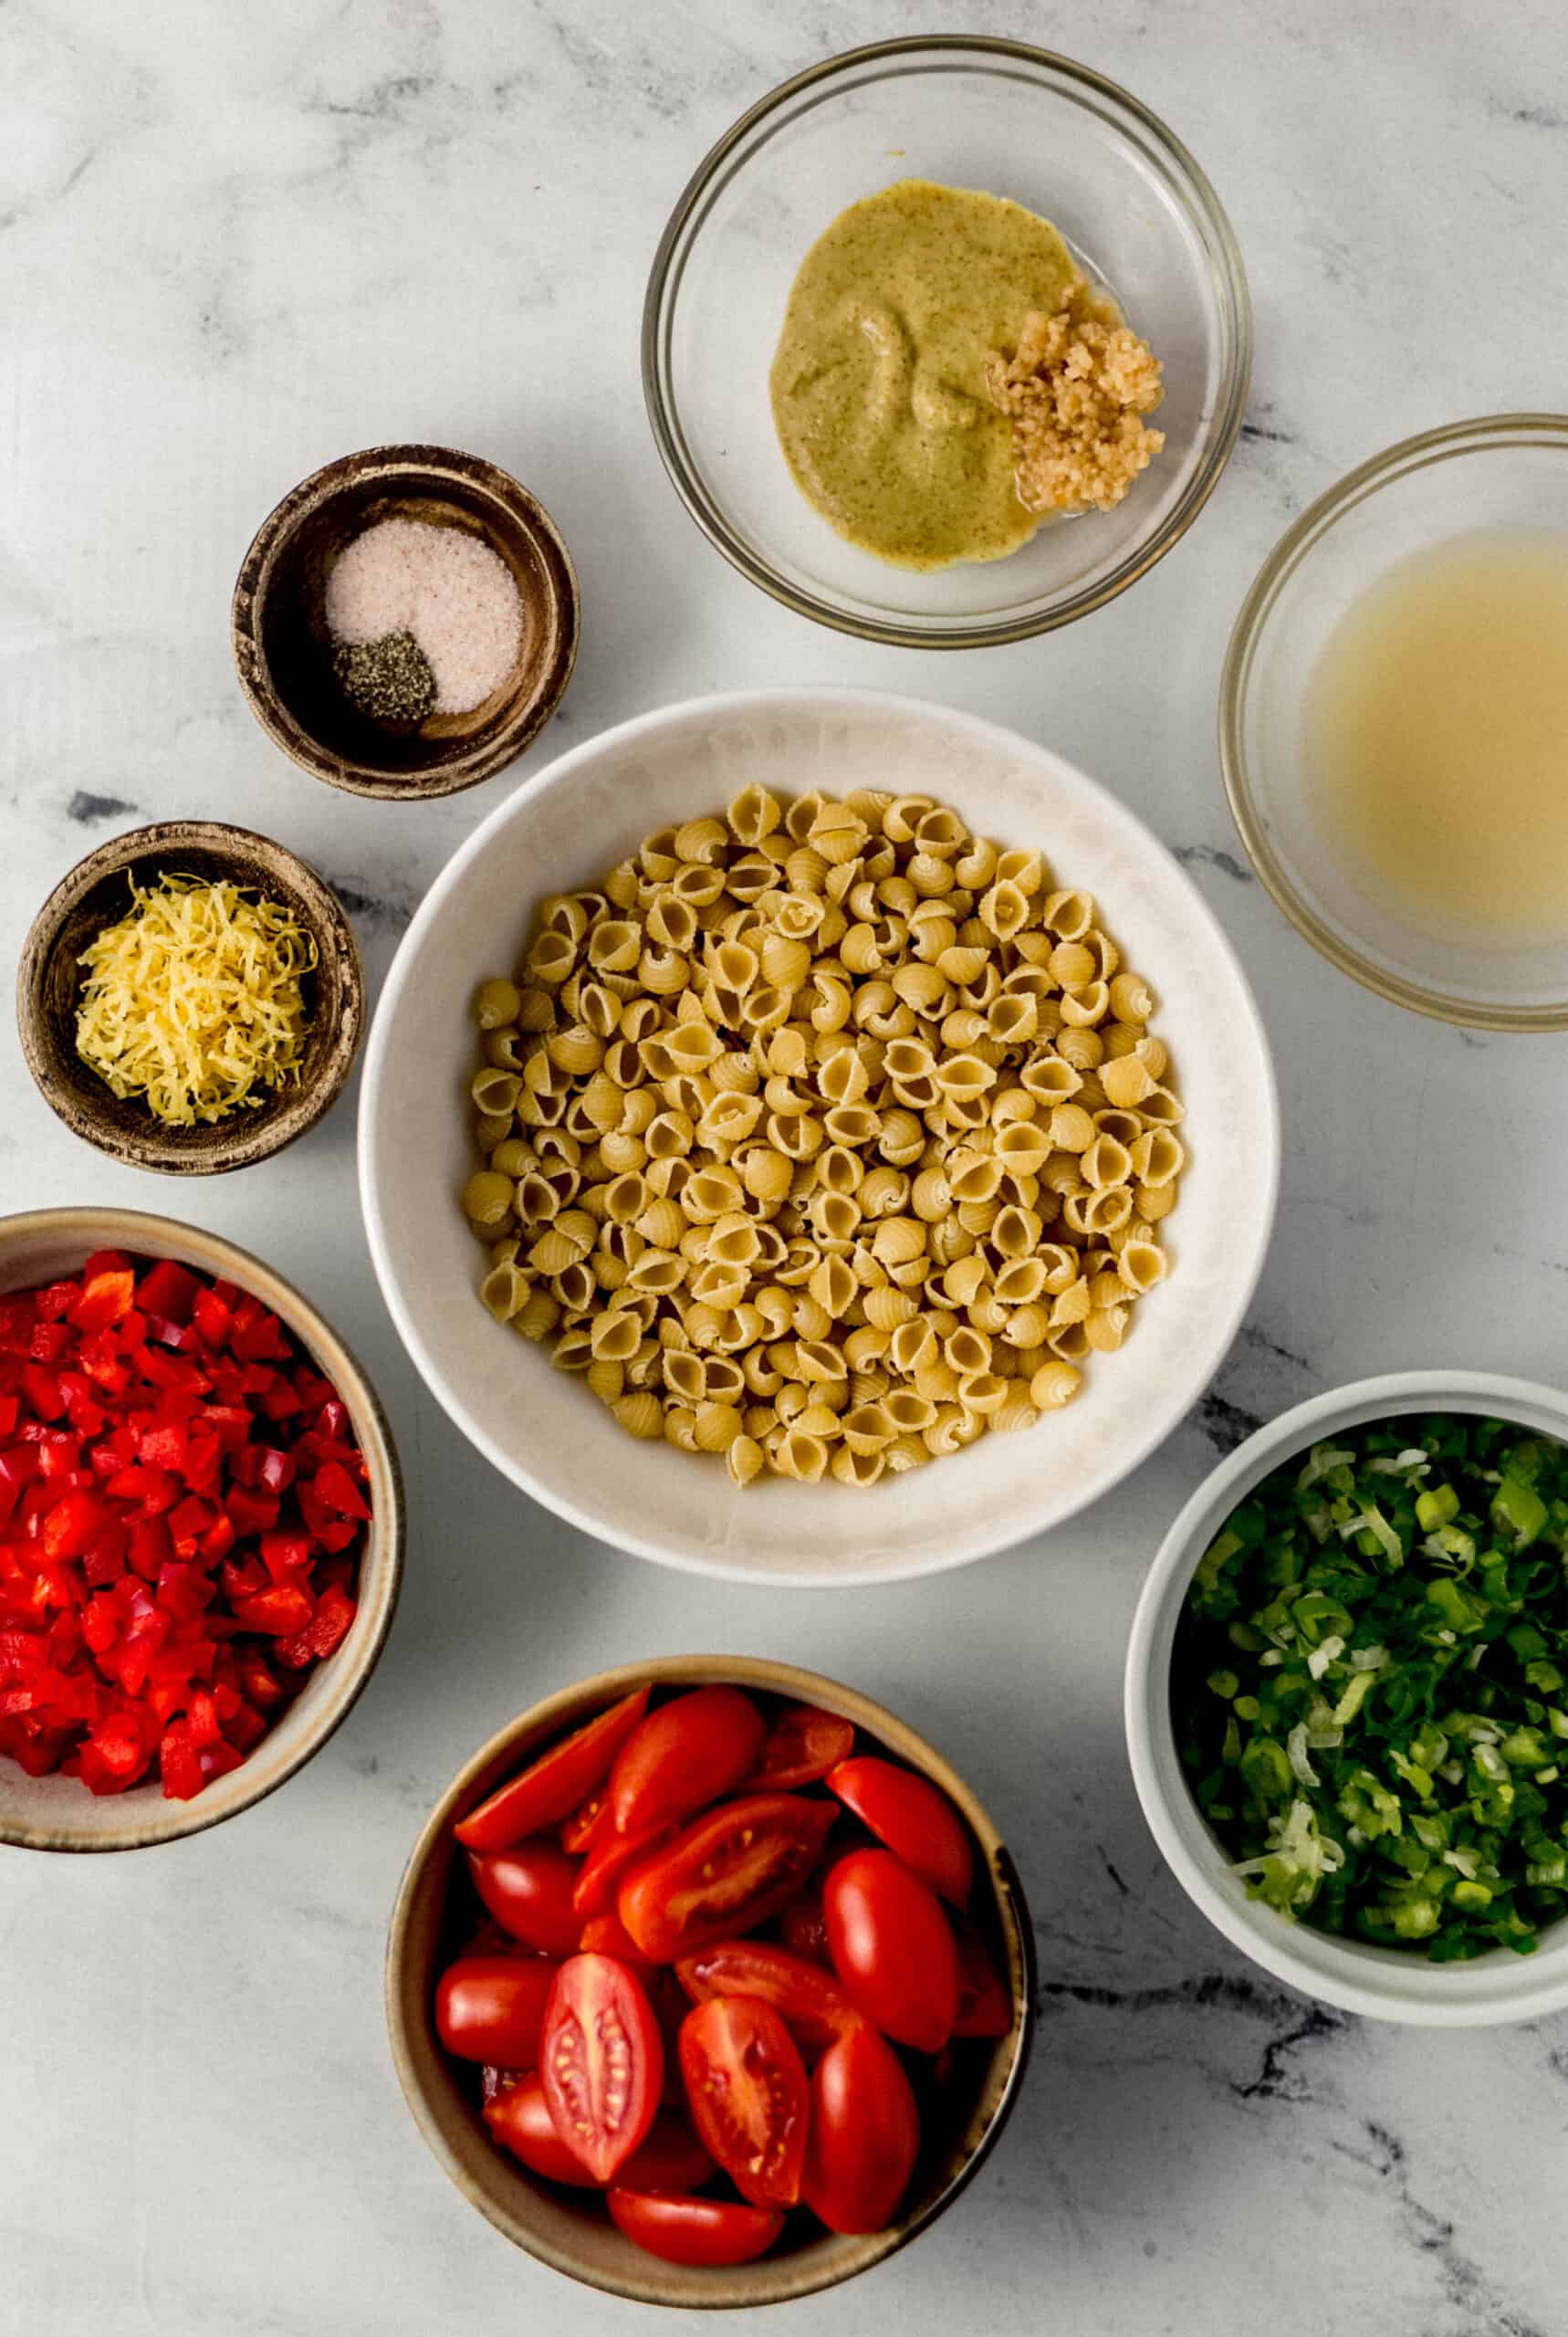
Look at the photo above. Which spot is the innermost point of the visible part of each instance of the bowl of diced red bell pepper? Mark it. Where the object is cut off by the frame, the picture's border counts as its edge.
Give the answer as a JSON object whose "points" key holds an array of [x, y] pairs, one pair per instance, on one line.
{"points": [[201, 1530], [710, 1983]]}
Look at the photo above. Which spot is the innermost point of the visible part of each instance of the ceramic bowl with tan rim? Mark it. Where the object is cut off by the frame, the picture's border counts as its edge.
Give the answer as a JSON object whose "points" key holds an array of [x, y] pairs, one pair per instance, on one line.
{"points": [[96, 894], [59, 1813], [568, 2230], [542, 1427], [283, 649]]}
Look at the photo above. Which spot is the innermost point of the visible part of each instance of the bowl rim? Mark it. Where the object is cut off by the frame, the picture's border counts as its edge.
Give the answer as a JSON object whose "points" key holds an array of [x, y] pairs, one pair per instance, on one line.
{"points": [[145, 1232], [1386, 1984], [1227, 271], [417, 459], [299, 1109], [580, 1699], [1423, 448], [1009, 1529]]}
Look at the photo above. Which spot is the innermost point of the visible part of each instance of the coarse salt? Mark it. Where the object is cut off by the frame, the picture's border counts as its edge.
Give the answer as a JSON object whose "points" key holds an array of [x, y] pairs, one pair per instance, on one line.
{"points": [[451, 591]]}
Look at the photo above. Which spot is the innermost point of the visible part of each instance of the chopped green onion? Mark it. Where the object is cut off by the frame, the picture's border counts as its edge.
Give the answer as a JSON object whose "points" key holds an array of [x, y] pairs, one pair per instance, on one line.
{"points": [[1364, 1681], [1438, 1507]]}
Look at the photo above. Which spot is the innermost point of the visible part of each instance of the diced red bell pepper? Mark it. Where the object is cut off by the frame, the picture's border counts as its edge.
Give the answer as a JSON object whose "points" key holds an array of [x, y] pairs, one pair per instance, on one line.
{"points": [[251, 1513], [246, 1728], [152, 1547], [259, 1683], [276, 1470], [42, 1388], [285, 1556], [163, 1441], [219, 1538], [105, 1562], [276, 1399], [257, 1336], [337, 1490], [71, 1526], [179, 1763], [203, 1462], [105, 1299], [230, 1423], [188, 1521], [151, 1508], [274, 1613], [170, 1290], [211, 1318], [58, 1456]]}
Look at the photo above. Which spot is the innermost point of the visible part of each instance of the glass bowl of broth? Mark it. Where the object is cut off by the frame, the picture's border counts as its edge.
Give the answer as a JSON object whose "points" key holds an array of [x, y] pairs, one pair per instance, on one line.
{"points": [[1394, 723]]}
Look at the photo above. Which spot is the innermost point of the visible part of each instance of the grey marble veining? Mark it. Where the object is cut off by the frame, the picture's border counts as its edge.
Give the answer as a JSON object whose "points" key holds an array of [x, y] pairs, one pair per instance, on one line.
{"points": [[236, 241]]}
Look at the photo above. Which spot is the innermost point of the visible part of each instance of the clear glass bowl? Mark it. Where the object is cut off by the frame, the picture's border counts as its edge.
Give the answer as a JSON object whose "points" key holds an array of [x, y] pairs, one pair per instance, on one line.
{"points": [[1508, 470], [992, 114]]}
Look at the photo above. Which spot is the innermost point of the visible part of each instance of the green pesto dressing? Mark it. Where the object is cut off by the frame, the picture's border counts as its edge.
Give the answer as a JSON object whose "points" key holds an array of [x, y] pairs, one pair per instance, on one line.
{"points": [[878, 386]]}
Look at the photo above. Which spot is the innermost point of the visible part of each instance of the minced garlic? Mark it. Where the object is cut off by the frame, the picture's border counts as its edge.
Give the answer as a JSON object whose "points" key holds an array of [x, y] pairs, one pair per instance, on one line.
{"points": [[1074, 390], [195, 999]]}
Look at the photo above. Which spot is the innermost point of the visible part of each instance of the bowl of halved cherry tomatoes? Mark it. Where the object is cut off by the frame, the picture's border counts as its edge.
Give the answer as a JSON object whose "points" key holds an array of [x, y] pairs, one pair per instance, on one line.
{"points": [[709, 1982]]}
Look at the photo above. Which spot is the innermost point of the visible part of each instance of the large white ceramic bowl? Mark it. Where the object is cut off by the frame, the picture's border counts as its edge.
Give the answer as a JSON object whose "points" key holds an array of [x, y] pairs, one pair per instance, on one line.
{"points": [[564, 828], [1387, 1983]]}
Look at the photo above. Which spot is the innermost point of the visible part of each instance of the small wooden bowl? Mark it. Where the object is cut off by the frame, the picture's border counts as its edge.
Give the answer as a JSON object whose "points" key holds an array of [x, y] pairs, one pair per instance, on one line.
{"points": [[96, 894], [59, 1813], [569, 2230], [284, 652]]}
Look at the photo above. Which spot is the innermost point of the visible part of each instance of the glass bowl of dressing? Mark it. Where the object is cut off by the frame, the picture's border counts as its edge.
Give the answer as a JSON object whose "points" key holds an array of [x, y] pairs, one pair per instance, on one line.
{"points": [[1137, 215], [1394, 723]]}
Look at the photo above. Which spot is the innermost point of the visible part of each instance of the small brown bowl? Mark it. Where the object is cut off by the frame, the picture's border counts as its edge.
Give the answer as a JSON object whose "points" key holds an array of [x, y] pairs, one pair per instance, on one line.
{"points": [[96, 894], [59, 1813], [568, 2230], [284, 652]]}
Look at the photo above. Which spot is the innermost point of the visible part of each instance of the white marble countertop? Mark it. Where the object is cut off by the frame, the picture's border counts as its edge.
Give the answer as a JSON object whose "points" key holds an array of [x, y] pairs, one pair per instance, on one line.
{"points": [[236, 241]]}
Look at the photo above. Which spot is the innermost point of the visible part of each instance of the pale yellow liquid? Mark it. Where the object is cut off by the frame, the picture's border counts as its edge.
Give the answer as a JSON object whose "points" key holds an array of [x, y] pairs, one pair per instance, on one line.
{"points": [[1437, 738]]}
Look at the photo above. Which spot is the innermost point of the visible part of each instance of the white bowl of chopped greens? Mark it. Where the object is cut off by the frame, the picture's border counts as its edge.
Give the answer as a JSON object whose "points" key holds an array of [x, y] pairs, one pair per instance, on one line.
{"points": [[1347, 1697]]}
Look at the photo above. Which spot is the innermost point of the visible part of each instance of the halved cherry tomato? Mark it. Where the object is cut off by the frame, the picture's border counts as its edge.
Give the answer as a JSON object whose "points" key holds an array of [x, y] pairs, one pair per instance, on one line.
{"points": [[803, 1743], [602, 2061], [893, 1948], [694, 2231], [984, 2008], [814, 2007], [518, 2116], [528, 1890], [578, 1831], [552, 1787], [803, 1928], [609, 1857], [865, 2135], [608, 1935], [745, 2085], [724, 1873], [918, 1824], [668, 2158], [490, 2009], [683, 1756]]}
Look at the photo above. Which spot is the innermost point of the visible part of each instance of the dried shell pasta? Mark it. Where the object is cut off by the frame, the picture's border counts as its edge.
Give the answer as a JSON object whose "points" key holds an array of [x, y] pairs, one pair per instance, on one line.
{"points": [[824, 1136]]}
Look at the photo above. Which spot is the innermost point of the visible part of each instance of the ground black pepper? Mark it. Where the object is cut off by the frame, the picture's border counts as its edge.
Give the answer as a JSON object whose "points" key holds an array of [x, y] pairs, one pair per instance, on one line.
{"points": [[389, 679]]}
